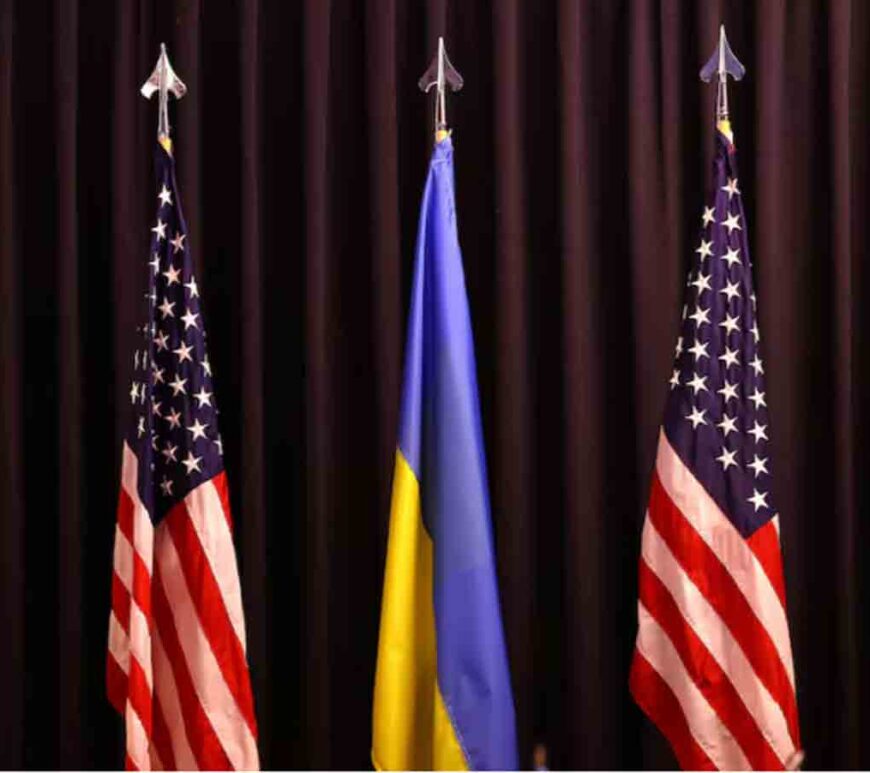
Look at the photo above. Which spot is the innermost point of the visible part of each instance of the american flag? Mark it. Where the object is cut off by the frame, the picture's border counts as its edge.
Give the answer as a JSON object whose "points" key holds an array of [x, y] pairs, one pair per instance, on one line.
{"points": [[176, 667], [713, 665]]}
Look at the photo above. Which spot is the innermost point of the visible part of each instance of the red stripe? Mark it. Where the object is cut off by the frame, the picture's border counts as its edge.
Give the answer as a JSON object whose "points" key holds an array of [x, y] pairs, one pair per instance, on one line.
{"points": [[764, 542], [706, 673], [203, 740], [141, 585], [116, 684], [125, 511], [209, 603], [659, 703], [220, 482], [121, 602], [128, 763], [717, 585], [139, 694], [162, 740]]}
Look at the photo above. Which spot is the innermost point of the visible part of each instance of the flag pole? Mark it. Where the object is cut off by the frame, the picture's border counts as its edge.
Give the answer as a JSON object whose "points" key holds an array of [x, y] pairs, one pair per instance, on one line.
{"points": [[441, 74], [163, 81], [720, 65]]}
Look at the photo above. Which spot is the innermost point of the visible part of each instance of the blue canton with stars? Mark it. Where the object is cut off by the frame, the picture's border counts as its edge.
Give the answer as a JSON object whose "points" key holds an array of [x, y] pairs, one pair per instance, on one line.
{"points": [[716, 415], [174, 431]]}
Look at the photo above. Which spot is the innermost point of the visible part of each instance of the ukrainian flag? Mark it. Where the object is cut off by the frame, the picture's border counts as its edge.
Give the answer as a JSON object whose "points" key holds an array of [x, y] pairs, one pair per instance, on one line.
{"points": [[442, 688]]}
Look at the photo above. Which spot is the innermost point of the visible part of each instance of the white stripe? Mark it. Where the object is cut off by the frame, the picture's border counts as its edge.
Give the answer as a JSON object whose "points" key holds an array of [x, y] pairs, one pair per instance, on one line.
{"points": [[215, 697], [137, 739], [139, 639], [123, 559], [167, 695], [717, 638], [143, 530], [704, 724], [721, 536], [119, 643], [210, 522]]}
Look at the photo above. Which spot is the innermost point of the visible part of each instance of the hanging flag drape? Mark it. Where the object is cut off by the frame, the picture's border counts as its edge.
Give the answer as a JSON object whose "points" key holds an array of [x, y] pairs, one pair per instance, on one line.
{"points": [[442, 690], [176, 667], [713, 662]]}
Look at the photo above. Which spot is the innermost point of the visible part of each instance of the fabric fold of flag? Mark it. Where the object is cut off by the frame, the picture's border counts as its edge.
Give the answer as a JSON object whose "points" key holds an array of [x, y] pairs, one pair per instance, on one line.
{"points": [[713, 663], [176, 668], [442, 696]]}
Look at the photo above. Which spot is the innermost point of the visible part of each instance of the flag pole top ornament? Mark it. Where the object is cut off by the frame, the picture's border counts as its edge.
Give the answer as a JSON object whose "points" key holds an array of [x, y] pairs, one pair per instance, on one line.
{"points": [[163, 81], [441, 73], [721, 64]]}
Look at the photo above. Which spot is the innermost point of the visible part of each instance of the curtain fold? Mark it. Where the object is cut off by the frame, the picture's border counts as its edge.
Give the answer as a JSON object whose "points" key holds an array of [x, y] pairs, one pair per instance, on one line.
{"points": [[582, 137]]}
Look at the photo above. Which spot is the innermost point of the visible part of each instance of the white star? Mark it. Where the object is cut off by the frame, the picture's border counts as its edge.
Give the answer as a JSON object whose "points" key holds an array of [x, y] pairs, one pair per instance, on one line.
{"points": [[702, 282], [189, 318], [730, 324], [709, 216], [698, 383], [730, 357], [754, 330], [197, 429], [155, 263], [178, 386], [174, 419], [726, 458], [169, 452], [701, 316], [728, 424], [191, 285], [731, 222], [206, 366], [675, 379], [159, 229], [758, 465], [153, 444], [753, 299], [192, 463], [758, 431], [704, 249], [699, 350], [203, 397], [677, 351], [731, 188], [172, 276], [183, 352], [758, 499], [757, 398], [697, 417], [177, 243], [140, 429], [731, 256], [220, 444], [166, 308], [156, 373], [756, 365], [134, 393], [162, 341], [165, 197], [728, 391], [155, 408], [166, 486], [731, 289]]}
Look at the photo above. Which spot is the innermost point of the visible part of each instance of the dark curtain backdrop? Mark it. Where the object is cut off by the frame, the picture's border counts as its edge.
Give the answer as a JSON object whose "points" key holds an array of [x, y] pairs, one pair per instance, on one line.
{"points": [[583, 141]]}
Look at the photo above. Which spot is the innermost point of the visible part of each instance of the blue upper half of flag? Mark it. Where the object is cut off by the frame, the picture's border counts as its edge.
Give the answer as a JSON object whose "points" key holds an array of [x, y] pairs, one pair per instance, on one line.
{"points": [[716, 415], [442, 440], [173, 423]]}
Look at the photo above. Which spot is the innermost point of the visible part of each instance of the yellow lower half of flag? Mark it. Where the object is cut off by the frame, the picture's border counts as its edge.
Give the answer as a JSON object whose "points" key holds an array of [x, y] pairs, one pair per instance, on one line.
{"points": [[411, 728]]}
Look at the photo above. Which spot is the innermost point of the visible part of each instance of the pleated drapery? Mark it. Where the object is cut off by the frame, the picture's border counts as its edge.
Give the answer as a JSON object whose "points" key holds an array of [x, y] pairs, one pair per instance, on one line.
{"points": [[582, 141]]}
